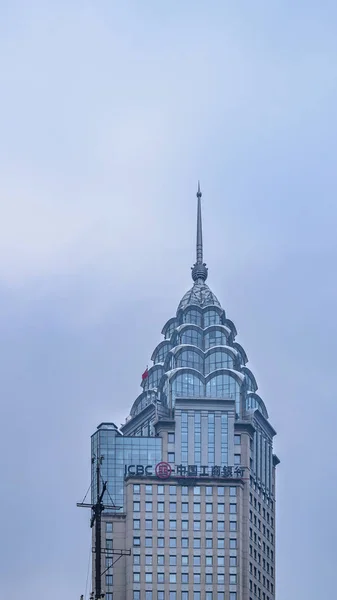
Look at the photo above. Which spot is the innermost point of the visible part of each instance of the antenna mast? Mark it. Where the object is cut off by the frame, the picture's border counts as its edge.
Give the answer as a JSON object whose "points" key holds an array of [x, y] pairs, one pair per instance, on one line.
{"points": [[96, 519]]}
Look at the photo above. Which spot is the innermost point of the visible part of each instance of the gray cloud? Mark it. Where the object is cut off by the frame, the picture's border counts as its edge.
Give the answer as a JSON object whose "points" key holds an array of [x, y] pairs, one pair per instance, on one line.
{"points": [[109, 116]]}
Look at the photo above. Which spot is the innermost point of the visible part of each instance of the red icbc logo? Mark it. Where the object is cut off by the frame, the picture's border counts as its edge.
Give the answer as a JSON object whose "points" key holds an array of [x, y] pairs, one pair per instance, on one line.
{"points": [[163, 470]]}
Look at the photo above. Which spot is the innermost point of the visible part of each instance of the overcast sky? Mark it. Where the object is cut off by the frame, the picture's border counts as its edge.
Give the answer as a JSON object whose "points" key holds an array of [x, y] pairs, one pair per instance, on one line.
{"points": [[110, 112]]}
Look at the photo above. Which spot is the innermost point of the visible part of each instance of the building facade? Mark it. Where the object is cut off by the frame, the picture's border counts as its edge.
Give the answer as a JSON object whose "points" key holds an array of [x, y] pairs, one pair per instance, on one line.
{"points": [[192, 470]]}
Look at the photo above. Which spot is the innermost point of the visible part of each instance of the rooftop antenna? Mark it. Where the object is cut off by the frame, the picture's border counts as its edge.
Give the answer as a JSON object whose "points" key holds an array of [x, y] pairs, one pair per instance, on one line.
{"points": [[96, 519], [199, 269]]}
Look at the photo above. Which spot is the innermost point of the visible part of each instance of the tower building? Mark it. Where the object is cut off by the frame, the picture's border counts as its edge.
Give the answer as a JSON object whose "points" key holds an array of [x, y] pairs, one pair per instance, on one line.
{"points": [[192, 470]]}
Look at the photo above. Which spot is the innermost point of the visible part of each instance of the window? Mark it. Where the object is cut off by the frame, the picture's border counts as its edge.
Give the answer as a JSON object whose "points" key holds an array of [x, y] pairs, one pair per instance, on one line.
{"points": [[221, 508], [160, 560], [196, 507], [173, 542], [136, 488], [184, 578], [148, 506], [170, 438], [148, 559], [136, 595], [173, 560], [148, 595], [232, 579], [184, 507], [209, 507], [209, 595], [108, 527], [221, 596], [221, 561], [173, 595], [237, 459], [232, 526], [221, 525], [209, 525], [160, 490], [209, 578], [160, 506], [148, 577], [237, 440], [108, 596], [209, 542], [209, 490], [184, 542], [171, 457], [148, 489], [136, 541], [173, 490], [173, 577], [108, 580], [160, 595], [232, 561], [184, 490], [148, 524], [232, 491], [173, 507], [136, 523], [196, 490], [196, 543], [173, 524], [232, 509], [196, 578], [196, 561], [136, 577], [160, 524], [184, 595], [221, 543], [232, 595], [148, 542], [196, 525], [196, 595], [221, 579], [136, 507], [160, 542], [136, 559], [221, 490], [209, 561], [184, 525], [184, 560]]}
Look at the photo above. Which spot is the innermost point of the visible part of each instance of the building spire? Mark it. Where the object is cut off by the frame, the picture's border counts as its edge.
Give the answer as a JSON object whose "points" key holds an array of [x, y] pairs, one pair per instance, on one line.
{"points": [[199, 269]]}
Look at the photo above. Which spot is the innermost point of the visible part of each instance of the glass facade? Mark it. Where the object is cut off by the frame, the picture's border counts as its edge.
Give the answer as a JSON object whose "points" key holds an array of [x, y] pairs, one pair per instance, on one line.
{"points": [[118, 451]]}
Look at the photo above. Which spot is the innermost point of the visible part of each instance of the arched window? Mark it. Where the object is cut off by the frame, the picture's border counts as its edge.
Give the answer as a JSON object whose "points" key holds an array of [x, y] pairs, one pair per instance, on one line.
{"points": [[187, 384], [211, 317], [170, 330], [161, 353], [192, 337], [189, 358], [215, 338], [223, 386], [193, 316], [251, 387], [154, 378], [253, 403], [218, 360]]}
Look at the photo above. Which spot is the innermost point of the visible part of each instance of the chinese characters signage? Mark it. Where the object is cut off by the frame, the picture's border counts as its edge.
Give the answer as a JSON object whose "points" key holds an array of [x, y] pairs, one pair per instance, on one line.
{"points": [[164, 470]]}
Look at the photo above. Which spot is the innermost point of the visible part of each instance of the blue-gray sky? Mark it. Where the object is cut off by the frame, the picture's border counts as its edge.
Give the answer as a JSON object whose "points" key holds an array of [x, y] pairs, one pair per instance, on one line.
{"points": [[110, 112]]}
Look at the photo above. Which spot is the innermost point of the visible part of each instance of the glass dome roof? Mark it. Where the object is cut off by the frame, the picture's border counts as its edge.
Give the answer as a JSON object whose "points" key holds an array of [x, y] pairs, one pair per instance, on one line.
{"points": [[199, 356]]}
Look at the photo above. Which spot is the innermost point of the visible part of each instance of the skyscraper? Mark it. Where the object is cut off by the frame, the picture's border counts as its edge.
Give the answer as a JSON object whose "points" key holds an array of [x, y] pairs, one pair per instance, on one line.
{"points": [[192, 470]]}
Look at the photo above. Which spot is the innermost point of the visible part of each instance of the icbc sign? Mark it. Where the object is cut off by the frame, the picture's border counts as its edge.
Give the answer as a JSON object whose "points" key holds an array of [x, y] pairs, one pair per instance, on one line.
{"points": [[163, 470]]}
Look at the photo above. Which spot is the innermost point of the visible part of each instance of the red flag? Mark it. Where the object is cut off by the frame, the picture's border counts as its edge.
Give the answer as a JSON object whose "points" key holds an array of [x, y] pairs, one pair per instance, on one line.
{"points": [[145, 374]]}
